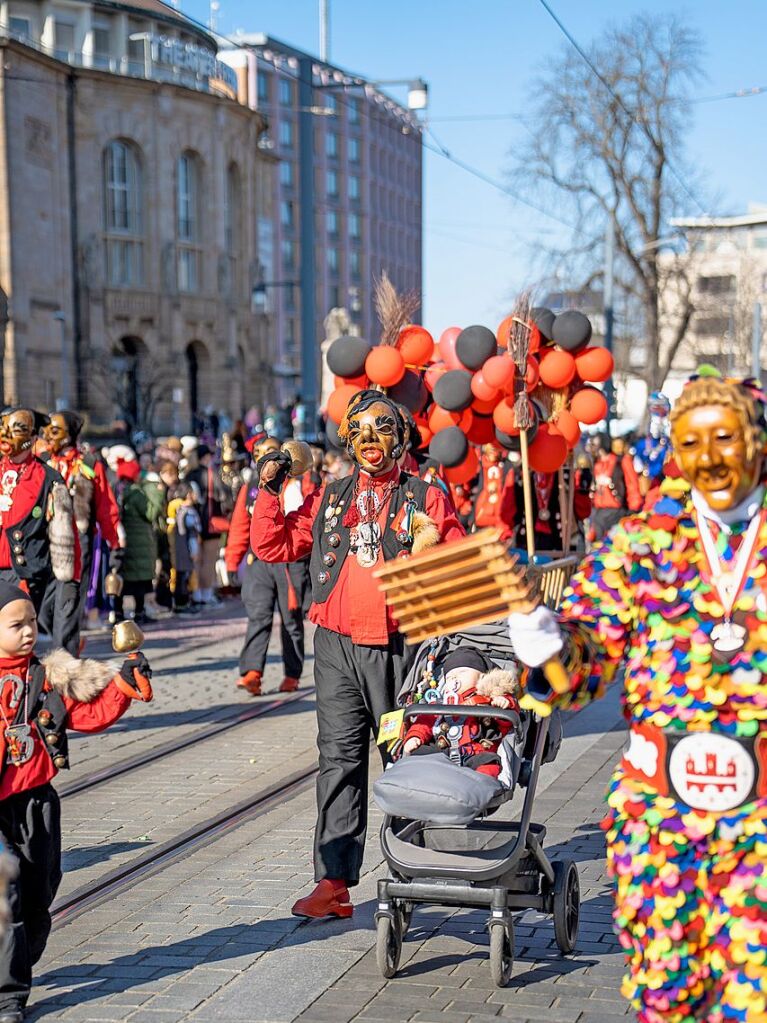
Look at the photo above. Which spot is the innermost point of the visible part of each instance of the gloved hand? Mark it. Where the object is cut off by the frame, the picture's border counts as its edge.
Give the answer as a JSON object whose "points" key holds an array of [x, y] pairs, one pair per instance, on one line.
{"points": [[536, 637], [133, 679], [116, 559], [273, 469]]}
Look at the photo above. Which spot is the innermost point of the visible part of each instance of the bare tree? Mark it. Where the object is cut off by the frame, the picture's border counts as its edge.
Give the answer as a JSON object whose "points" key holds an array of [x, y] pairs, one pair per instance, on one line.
{"points": [[611, 148], [136, 385]]}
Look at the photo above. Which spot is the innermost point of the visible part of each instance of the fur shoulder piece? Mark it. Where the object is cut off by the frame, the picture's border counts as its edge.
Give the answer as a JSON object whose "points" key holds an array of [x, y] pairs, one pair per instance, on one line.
{"points": [[78, 680], [498, 683], [61, 534], [425, 532]]}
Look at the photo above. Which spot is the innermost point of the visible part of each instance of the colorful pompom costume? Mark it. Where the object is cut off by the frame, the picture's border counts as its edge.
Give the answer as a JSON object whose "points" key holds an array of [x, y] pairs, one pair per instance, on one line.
{"points": [[690, 883]]}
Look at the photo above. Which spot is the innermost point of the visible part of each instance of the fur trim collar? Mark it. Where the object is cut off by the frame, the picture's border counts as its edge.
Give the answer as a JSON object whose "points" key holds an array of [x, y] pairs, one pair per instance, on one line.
{"points": [[79, 680], [425, 532], [498, 683]]}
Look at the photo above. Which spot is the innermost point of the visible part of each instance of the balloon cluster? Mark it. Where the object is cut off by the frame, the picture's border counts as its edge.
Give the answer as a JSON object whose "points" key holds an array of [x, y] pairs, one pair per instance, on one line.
{"points": [[464, 391]]}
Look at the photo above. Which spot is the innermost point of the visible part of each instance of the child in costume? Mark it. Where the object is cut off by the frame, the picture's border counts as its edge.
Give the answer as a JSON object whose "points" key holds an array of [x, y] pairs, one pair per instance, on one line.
{"points": [[677, 598], [470, 679], [39, 700]]}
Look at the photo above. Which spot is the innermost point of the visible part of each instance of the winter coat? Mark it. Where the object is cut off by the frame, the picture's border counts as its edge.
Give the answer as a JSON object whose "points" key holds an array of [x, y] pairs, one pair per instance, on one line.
{"points": [[142, 505]]}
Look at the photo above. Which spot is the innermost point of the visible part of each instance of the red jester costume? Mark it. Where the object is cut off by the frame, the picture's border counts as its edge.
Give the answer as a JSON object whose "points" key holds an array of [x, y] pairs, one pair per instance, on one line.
{"points": [[676, 597]]}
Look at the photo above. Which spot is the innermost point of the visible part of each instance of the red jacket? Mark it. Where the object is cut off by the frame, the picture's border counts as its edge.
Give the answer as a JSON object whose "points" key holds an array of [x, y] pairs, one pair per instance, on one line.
{"points": [[616, 483], [105, 511], [93, 716], [238, 537]]}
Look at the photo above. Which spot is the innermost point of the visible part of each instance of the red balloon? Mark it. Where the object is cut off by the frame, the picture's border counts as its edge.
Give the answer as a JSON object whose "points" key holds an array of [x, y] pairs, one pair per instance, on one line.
{"points": [[557, 368], [502, 334], [338, 401], [467, 470], [447, 342], [440, 419], [589, 406], [567, 425], [466, 420], [433, 373], [482, 430], [426, 434], [498, 371], [548, 451], [594, 364], [416, 345], [504, 328], [360, 382], [481, 389], [532, 375], [484, 408], [385, 365], [503, 416]]}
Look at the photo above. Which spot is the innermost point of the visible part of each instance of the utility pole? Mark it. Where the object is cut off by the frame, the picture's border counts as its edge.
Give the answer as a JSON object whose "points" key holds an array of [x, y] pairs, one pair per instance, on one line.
{"points": [[756, 342], [325, 30], [609, 313], [309, 341]]}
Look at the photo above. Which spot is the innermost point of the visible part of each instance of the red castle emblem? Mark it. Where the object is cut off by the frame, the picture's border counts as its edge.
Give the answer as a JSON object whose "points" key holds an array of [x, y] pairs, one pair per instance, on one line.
{"points": [[710, 774]]}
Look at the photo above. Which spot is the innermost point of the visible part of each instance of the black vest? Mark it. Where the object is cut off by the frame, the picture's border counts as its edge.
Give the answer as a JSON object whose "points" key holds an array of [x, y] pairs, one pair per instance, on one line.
{"points": [[47, 713], [28, 539], [332, 542]]}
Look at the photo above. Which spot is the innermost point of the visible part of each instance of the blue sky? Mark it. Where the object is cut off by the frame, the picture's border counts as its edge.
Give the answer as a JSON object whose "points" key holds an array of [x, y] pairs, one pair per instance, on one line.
{"points": [[481, 58]]}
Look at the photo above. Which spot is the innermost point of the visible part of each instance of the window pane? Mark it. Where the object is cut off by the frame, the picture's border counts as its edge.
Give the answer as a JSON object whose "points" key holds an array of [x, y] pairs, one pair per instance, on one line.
{"points": [[286, 173], [354, 150], [187, 198], [354, 187], [331, 144], [286, 92], [331, 220], [354, 225], [333, 260], [20, 27], [263, 87], [286, 133], [286, 213], [331, 183], [65, 39]]}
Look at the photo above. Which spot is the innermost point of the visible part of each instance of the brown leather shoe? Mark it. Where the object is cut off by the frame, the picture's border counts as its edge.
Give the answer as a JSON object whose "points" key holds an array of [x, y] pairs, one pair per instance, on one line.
{"points": [[251, 681], [289, 685], [329, 898]]}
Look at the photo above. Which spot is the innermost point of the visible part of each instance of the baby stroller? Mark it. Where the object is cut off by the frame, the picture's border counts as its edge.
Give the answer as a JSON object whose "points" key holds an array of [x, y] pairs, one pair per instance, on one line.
{"points": [[440, 838]]}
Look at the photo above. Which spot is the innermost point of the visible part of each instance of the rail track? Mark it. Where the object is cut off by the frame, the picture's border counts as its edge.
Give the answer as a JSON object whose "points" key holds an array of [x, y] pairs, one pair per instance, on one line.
{"points": [[151, 756], [121, 878]]}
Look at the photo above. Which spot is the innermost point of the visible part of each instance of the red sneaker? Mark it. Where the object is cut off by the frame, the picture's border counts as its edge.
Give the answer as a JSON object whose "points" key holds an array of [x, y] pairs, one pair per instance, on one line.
{"points": [[329, 898], [289, 685], [251, 681]]}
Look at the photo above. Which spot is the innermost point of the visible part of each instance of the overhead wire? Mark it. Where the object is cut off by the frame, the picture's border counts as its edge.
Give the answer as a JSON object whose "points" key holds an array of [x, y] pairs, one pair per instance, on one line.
{"points": [[618, 99]]}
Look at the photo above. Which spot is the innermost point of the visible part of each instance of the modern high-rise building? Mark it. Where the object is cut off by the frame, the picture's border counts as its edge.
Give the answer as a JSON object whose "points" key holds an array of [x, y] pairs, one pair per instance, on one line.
{"points": [[347, 198]]}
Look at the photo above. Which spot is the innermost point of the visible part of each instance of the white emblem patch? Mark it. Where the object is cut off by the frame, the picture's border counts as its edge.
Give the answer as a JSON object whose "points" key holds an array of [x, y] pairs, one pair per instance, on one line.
{"points": [[711, 772], [642, 754]]}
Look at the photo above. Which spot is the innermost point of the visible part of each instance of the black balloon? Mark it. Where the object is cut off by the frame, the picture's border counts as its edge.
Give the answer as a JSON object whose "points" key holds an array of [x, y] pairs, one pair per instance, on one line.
{"points": [[474, 346], [449, 447], [572, 330], [331, 435], [410, 391], [346, 356], [453, 390], [543, 318], [511, 442]]}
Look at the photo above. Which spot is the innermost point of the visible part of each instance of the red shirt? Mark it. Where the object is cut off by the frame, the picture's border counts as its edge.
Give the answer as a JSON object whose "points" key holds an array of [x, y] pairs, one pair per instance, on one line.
{"points": [[104, 501], [355, 606], [100, 713]]}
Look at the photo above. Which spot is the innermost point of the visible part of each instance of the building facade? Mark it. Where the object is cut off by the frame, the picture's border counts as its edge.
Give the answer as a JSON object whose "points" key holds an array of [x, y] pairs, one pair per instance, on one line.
{"points": [[347, 198], [131, 187]]}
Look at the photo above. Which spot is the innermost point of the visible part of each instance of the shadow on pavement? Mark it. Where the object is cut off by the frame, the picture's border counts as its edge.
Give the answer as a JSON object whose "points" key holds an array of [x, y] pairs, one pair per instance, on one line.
{"points": [[86, 855]]}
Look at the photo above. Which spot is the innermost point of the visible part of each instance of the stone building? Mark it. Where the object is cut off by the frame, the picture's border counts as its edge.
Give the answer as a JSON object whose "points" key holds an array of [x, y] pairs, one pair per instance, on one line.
{"points": [[131, 186]]}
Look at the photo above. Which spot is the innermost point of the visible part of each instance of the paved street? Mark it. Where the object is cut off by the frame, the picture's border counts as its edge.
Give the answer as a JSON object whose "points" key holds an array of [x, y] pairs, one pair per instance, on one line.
{"points": [[210, 936]]}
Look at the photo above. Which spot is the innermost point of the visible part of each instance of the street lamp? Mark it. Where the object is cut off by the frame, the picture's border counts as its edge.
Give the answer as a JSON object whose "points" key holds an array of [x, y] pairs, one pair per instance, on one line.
{"points": [[258, 294]]}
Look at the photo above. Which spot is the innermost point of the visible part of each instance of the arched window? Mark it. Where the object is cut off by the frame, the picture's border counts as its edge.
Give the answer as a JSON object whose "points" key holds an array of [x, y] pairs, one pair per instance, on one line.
{"points": [[188, 232], [232, 229], [123, 215]]}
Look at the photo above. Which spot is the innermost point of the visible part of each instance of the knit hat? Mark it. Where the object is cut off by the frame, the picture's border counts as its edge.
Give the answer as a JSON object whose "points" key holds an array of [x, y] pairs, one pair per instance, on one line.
{"points": [[466, 657], [9, 593]]}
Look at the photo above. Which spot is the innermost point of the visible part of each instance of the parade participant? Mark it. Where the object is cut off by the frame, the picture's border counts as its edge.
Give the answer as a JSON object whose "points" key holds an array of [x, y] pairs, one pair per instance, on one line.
{"points": [[39, 701], [652, 450], [211, 496], [494, 503], [676, 599], [39, 544], [353, 525], [616, 489], [266, 587], [547, 514], [93, 501], [142, 507]]}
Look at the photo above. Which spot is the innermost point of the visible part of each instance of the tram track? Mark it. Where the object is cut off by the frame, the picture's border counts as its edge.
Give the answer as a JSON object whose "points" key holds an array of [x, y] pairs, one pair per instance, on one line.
{"points": [[129, 764], [111, 884]]}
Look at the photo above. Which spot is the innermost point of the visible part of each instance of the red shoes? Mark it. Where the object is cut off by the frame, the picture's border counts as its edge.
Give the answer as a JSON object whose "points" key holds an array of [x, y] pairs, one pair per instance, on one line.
{"points": [[289, 685], [329, 898], [251, 681]]}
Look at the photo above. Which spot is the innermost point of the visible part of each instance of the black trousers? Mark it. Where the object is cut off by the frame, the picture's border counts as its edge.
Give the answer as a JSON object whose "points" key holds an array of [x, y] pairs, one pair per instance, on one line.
{"points": [[263, 587], [87, 551], [57, 606], [355, 686], [30, 824]]}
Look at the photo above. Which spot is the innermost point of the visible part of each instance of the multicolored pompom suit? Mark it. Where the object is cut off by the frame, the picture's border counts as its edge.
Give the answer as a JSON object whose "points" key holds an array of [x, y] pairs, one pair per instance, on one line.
{"points": [[687, 820]]}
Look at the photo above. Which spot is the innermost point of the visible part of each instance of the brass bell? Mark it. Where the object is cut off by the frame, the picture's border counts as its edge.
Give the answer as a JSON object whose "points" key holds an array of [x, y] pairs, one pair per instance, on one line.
{"points": [[113, 584], [59, 761], [45, 717], [126, 637], [301, 457], [52, 738]]}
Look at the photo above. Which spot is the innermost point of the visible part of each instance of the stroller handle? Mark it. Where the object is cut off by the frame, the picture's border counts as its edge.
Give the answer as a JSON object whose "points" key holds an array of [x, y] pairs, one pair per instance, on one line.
{"points": [[464, 710]]}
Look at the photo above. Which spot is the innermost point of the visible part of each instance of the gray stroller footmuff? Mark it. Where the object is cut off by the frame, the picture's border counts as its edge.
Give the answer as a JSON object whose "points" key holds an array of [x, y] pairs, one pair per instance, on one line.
{"points": [[435, 790]]}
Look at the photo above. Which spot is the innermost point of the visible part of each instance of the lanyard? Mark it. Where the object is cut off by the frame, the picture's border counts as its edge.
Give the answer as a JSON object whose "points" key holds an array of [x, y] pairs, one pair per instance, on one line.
{"points": [[15, 700], [729, 584]]}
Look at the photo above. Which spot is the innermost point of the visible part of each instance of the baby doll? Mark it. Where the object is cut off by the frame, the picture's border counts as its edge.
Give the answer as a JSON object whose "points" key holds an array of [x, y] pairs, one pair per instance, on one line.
{"points": [[39, 700], [468, 678]]}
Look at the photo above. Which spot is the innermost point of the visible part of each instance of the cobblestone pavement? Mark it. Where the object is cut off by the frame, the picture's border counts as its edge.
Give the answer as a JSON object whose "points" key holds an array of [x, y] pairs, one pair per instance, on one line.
{"points": [[210, 937]]}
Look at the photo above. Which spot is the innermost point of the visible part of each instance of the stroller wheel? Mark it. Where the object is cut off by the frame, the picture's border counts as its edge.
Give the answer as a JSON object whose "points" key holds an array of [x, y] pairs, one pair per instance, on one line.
{"points": [[501, 951], [566, 905], [388, 943]]}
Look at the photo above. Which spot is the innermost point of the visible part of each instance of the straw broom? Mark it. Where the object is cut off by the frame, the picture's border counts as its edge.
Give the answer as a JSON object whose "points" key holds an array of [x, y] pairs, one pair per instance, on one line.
{"points": [[519, 349]]}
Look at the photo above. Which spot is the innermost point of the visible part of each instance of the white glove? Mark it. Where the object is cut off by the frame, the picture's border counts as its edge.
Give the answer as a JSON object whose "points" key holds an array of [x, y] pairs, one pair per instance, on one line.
{"points": [[536, 637]]}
